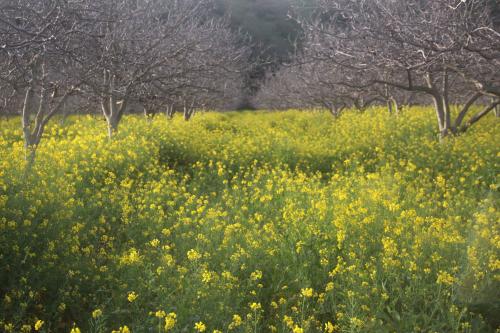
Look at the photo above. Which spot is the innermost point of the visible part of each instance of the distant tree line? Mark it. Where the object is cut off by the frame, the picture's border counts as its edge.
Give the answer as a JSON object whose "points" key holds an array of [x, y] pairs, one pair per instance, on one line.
{"points": [[356, 53]]}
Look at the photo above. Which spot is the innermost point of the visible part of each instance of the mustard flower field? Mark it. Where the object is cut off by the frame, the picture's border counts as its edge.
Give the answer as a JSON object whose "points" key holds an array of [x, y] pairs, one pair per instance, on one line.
{"points": [[251, 222]]}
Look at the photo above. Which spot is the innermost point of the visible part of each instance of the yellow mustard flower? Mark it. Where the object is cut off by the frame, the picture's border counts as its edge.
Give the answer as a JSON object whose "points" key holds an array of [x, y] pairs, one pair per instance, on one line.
{"points": [[200, 327], [96, 313], [170, 321], [307, 292], [132, 296]]}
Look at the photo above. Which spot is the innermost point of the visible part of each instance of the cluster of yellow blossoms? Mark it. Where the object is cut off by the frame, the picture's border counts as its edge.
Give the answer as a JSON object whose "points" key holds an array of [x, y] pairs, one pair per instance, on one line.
{"points": [[251, 222]]}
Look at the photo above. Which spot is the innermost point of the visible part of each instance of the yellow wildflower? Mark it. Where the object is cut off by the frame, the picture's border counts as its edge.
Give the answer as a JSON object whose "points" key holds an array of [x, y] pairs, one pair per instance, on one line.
{"points": [[96, 313], [193, 255], [255, 306], [288, 321], [160, 314], [445, 278], [329, 327], [307, 292], [75, 330], [200, 327], [38, 325], [170, 321], [236, 322], [132, 296], [257, 275], [122, 329]]}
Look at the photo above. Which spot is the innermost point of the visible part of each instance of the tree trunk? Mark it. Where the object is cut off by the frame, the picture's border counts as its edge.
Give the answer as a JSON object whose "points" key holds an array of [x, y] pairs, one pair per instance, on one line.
{"points": [[112, 108], [446, 103], [187, 114], [440, 105], [113, 111], [26, 115], [396, 105], [65, 114], [112, 126], [29, 156], [149, 114], [389, 105], [188, 111], [443, 124], [332, 108], [334, 111], [29, 140], [447, 117], [170, 111]]}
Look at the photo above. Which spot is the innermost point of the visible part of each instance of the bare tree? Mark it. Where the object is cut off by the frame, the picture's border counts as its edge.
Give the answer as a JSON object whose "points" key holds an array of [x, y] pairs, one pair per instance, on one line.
{"points": [[158, 53], [311, 83], [213, 75], [417, 46], [116, 53], [438, 48], [39, 43]]}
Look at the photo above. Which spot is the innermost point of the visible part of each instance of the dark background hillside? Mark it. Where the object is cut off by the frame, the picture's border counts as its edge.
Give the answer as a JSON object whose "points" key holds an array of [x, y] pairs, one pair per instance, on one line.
{"points": [[273, 33]]}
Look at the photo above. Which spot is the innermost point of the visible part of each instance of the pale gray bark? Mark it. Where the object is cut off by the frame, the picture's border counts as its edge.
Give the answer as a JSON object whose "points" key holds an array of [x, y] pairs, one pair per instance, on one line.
{"points": [[170, 110], [189, 110]]}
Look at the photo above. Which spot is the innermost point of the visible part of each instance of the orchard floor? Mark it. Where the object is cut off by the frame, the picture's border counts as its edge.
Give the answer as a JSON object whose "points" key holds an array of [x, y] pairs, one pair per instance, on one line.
{"points": [[251, 222]]}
